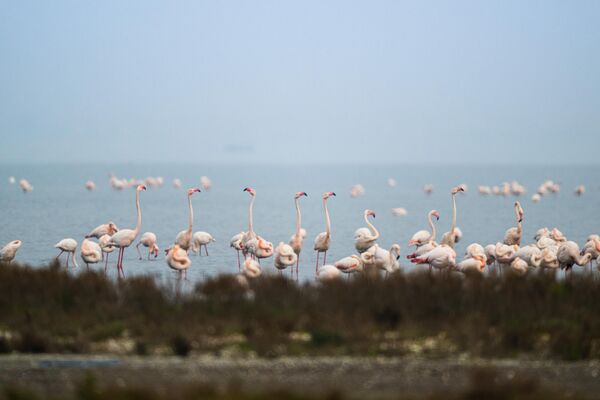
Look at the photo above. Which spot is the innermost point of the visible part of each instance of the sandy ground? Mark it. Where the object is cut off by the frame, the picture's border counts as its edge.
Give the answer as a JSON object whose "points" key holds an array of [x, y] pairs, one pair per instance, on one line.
{"points": [[356, 377]]}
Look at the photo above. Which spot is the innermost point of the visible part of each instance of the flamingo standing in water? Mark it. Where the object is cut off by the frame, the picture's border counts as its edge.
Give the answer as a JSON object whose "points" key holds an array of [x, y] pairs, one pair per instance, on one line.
{"points": [[201, 239], [323, 239], [285, 256], [236, 243], [350, 264], [105, 229], [424, 240], [91, 253], [253, 244], [8, 252], [148, 240], [441, 257], [178, 259], [184, 238], [70, 246], [451, 237], [125, 237], [107, 248], [513, 235], [364, 238], [328, 273], [251, 268], [298, 236]]}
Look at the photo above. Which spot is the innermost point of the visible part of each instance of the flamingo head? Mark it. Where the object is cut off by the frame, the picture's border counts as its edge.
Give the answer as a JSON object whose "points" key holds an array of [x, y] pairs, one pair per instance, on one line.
{"points": [[327, 195], [370, 212], [300, 194], [191, 191], [519, 210], [140, 188], [435, 214], [250, 190], [112, 228], [457, 189], [16, 243], [155, 250]]}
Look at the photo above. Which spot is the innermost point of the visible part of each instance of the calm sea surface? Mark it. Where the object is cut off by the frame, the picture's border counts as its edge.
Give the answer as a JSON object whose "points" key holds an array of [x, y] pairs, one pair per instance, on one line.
{"points": [[60, 207]]}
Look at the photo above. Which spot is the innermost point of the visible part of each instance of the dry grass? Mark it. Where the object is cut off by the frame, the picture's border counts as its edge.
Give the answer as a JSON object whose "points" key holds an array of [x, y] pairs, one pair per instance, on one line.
{"points": [[49, 310]]}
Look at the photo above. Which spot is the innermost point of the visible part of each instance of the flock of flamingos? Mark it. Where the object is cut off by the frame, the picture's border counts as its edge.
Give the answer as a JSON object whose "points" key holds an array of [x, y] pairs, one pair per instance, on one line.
{"points": [[550, 250]]}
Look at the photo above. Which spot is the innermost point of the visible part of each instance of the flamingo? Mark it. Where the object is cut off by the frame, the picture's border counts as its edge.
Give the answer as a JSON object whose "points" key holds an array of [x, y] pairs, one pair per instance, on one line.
{"points": [[350, 264], [125, 237], [557, 236], [327, 273], [424, 240], [450, 238], [107, 248], [8, 252], [184, 238], [474, 265], [475, 249], [364, 238], [251, 242], [546, 260], [568, 254], [513, 235], [178, 259], [251, 268], [200, 239], [386, 260], [504, 253], [423, 237], [490, 253], [285, 256], [236, 243], [540, 233], [90, 185], [323, 239], [528, 254], [105, 229], [592, 246], [148, 239], [70, 246], [300, 234], [518, 267], [91, 253], [249, 235], [441, 257]]}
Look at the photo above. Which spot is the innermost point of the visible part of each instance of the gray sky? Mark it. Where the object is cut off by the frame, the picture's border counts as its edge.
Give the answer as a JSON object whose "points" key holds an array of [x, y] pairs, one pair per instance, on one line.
{"points": [[300, 81]]}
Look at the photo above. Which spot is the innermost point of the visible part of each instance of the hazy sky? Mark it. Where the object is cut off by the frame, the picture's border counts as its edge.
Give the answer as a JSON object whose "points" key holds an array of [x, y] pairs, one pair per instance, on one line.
{"points": [[300, 81]]}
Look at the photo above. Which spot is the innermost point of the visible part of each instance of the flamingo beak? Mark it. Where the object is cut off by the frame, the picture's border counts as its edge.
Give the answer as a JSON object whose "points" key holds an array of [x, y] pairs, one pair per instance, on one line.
{"points": [[332, 193], [398, 257], [304, 194]]}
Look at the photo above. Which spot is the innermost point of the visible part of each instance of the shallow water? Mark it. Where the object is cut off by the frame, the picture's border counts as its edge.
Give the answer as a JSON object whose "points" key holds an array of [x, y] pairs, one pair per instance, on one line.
{"points": [[61, 207]]}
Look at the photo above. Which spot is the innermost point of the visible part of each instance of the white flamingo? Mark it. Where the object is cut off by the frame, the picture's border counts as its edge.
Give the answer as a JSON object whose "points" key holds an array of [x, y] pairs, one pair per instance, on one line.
{"points": [[450, 238], [200, 239], [424, 240], [105, 229], [284, 256], [323, 239], [327, 273], [441, 257], [350, 264], [70, 246], [364, 238], [251, 268], [300, 234], [8, 252], [513, 235], [236, 243], [148, 240], [125, 237], [184, 238], [107, 248], [568, 254], [178, 259], [383, 259], [91, 253]]}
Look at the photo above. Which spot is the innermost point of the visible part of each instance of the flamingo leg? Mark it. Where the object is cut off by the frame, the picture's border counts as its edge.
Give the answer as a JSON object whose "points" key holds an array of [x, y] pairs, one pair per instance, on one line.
{"points": [[205, 249], [137, 246], [325, 257], [317, 265], [106, 262], [67, 260], [239, 264], [59, 254]]}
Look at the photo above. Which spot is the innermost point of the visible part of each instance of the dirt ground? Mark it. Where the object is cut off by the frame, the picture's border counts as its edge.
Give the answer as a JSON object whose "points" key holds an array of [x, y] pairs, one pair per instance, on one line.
{"points": [[354, 377]]}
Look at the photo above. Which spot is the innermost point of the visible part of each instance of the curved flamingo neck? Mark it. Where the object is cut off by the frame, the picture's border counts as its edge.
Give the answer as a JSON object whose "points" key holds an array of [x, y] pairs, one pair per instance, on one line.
{"points": [[250, 213], [327, 220], [372, 228], [519, 227], [138, 225], [432, 226], [298, 217]]}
